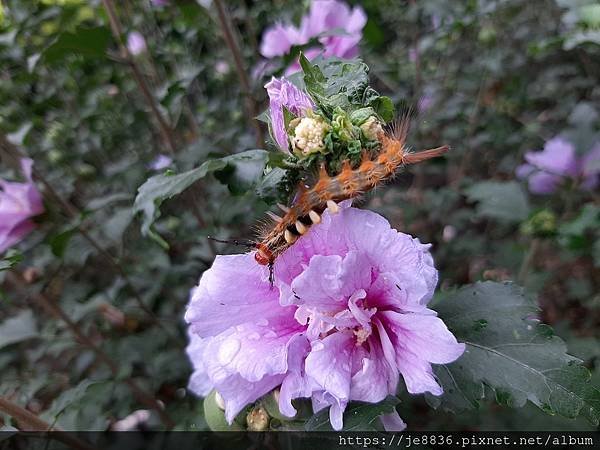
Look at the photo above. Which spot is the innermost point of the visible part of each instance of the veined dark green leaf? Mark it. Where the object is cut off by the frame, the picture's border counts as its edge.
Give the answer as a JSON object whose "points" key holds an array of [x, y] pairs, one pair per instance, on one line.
{"points": [[359, 416], [164, 186], [503, 201], [520, 359], [240, 172]]}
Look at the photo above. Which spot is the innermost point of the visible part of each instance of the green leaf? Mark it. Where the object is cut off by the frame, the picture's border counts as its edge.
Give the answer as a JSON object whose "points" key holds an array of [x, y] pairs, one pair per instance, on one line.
{"points": [[384, 107], [165, 186], [10, 259], [18, 328], [503, 201], [85, 42], [58, 242], [243, 170], [518, 358], [359, 416]]}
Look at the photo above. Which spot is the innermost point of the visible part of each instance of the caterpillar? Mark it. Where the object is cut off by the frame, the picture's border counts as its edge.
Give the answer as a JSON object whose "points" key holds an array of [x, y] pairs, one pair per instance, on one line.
{"points": [[328, 190]]}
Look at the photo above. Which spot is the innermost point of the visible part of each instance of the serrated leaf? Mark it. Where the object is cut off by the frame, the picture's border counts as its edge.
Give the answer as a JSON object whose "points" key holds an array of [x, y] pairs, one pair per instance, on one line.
{"points": [[18, 328], [243, 170], [503, 201], [518, 358], [359, 416], [164, 186]]}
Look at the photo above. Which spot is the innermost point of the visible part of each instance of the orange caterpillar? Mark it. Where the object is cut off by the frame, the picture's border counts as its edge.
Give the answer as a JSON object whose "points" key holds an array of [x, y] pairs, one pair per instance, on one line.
{"points": [[349, 183]]}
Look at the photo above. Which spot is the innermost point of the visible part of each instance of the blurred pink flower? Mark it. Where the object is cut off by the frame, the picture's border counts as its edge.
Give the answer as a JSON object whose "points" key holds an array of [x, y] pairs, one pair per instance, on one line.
{"points": [[136, 44], [337, 27], [161, 162], [159, 2], [19, 202], [545, 170], [283, 93], [346, 317]]}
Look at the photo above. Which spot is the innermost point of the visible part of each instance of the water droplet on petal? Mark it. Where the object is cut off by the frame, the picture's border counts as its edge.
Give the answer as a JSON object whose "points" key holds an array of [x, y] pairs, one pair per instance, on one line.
{"points": [[262, 322], [317, 346], [228, 350], [254, 336]]}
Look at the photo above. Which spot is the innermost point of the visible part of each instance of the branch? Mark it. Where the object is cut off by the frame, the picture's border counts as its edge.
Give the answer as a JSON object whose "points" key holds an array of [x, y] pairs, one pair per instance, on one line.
{"points": [[16, 280], [30, 422], [117, 31], [6, 147], [251, 107]]}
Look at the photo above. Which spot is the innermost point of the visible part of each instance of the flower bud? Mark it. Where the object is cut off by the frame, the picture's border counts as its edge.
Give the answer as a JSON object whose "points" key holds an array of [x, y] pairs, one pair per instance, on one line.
{"points": [[541, 224], [215, 416], [308, 135], [371, 128], [258, 419]]}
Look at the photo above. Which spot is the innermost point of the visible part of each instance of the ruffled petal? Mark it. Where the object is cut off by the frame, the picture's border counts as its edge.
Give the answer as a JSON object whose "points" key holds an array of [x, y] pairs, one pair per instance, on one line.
{"points": [[558, 158], [392, 422], [252, 350], [544, 183], [218, 303], [199, 383], [328, 364], [420, 340], [238, 392]]}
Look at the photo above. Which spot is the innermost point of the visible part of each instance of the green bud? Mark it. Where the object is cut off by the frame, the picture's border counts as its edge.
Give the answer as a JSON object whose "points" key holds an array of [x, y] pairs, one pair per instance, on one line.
{"points": [[541, 224], [215, 416], [342, 126], [271, 404], [371, 128]]}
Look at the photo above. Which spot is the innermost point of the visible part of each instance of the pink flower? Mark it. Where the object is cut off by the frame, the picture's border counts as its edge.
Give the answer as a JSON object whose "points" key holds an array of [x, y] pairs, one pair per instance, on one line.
{"points": [[545, 170], [18, 203], [282, 94], [337, 27], [159, 3], [161, 162], [346, 317], [136, 44]]}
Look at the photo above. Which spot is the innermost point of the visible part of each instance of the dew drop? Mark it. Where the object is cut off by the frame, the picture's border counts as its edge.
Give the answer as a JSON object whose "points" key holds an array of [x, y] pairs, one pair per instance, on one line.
{"points": [[254, 336], [318, 346], [228, 350]]}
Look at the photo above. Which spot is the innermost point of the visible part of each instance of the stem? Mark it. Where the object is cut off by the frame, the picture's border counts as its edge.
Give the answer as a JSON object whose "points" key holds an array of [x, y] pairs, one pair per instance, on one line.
{"points": [[30, 422], [145, 398], [528, 260], [117, 31], [251, 107], [73, 213]]}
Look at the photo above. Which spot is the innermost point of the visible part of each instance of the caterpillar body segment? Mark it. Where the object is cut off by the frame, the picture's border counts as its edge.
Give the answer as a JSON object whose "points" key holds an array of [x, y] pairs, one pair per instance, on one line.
{"points": [[349, 183]]}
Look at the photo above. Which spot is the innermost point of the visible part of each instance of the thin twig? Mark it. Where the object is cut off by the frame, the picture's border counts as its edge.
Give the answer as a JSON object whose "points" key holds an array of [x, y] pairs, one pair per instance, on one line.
{"points": [[27, 421], [73, 213], [528, 260], [117, 31], [251, 107], [16, 280]]}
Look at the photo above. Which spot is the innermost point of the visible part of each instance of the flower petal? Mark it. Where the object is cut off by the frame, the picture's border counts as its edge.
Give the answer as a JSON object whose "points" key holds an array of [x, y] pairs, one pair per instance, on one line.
{"points": [[392, 422], [252, 350], [218, 303], [328, 364]]}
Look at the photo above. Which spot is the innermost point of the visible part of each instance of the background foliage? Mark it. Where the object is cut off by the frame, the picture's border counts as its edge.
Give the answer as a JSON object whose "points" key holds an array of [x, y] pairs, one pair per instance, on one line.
{"points": [[499, 78]]}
